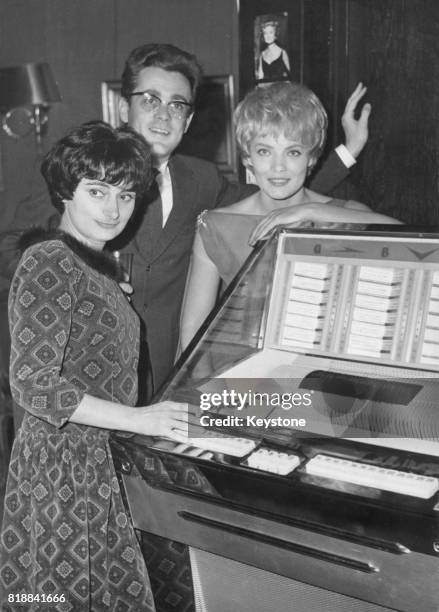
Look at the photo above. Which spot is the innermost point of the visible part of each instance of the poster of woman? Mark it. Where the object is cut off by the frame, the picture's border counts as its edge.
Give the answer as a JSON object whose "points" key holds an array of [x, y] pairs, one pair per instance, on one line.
{"points": [[272, 62]]}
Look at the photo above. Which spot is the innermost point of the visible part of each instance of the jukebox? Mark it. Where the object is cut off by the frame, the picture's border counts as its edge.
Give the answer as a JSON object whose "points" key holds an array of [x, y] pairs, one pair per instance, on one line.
{"points": [[310, 477]]}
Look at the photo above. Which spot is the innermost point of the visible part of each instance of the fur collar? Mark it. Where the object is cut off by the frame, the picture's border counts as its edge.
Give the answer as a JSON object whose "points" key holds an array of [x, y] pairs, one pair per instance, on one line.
{"points": [[101, 261]]}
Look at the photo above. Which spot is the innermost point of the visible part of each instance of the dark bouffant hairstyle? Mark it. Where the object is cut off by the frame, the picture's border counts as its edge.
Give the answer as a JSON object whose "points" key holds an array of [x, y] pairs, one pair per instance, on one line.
{"points": [[96, 150], [162, 56]]}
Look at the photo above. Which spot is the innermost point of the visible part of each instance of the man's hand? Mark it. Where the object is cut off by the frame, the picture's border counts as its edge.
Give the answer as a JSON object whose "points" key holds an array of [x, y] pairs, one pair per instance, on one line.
{"points": [[356, 130]]}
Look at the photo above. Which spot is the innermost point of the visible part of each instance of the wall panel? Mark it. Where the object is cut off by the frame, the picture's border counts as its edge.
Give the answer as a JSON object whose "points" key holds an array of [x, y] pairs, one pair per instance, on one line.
{"points": [[22, 40], [86, 42], [393, 46], [76, 38], [203, 27]]}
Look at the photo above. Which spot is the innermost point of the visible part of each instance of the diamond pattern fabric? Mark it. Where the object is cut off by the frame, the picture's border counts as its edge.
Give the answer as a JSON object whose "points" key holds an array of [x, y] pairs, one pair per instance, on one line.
{"points": [[65, 529]]}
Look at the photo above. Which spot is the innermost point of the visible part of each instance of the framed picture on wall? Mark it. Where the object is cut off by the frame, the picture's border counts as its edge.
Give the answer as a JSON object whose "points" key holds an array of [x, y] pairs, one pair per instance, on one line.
{"points": [[299, 40], [271, 45], [210, 135], [271, 42]]}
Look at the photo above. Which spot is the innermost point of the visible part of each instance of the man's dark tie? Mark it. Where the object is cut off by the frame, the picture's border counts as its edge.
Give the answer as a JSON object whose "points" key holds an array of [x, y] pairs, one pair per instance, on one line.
{"points": [[154, 212]]}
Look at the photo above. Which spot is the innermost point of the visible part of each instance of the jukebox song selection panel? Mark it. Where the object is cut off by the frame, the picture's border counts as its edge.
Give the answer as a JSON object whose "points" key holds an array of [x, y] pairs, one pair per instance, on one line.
{"points": [[390, 313]]}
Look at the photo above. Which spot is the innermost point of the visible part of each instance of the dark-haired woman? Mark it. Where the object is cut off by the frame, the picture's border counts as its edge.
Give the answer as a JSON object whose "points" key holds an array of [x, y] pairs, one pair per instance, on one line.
{"points": [[66, 541]]}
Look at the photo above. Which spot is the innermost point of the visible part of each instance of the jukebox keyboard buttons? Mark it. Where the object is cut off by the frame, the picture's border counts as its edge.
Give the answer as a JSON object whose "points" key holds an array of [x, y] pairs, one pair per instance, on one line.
{"points": [[273, 461], [396, 481], [227, 445]]}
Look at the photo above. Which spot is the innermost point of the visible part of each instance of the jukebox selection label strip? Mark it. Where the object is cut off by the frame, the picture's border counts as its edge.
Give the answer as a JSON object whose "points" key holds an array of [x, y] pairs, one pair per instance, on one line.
{"points": [[361, 308]]}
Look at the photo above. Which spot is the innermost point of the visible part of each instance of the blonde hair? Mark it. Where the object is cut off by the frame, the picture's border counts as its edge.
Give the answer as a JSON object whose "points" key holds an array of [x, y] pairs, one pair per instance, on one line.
{"points": [[270, 24], [284, 108]]}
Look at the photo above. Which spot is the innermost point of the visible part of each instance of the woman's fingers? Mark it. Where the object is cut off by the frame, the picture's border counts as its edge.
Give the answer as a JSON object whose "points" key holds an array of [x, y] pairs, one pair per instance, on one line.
{"points": [[177, 435], [288, 217], [165, 419], [355, 97], [168, 406], [126, 287], [262, 229]]}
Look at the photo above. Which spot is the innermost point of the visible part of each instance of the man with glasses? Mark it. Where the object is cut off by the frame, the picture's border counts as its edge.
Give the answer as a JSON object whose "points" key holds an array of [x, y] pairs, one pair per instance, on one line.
{"points": [[159, 84]]}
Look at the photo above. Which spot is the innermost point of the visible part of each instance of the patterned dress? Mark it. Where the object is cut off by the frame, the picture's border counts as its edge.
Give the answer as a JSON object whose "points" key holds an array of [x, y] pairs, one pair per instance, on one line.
{"points": [[65, 529]]}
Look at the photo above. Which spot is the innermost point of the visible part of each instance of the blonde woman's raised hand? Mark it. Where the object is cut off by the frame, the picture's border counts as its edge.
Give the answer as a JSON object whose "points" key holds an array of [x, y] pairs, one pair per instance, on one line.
{"points": [[356, 130]]}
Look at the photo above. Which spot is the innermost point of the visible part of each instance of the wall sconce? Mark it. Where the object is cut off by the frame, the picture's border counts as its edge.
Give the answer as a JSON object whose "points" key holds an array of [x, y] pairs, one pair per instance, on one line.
{"points": [[27, 85]]}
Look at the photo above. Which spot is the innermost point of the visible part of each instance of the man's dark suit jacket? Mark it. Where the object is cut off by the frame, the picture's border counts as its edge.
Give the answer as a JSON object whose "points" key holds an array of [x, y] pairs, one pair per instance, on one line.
{"points": [[162, 255]]}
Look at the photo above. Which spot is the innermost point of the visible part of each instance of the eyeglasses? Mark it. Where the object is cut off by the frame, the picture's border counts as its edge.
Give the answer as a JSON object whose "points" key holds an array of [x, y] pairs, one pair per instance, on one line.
{"points": [[151, 103]]}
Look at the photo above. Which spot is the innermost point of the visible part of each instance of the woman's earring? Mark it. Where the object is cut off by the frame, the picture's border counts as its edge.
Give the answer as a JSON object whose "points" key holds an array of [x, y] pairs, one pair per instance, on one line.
{"points": [[250, 178], [310, 167]]}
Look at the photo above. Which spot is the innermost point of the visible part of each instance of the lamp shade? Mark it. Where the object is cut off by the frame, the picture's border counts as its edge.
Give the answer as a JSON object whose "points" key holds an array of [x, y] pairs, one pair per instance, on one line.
{"points": [[27, 84]]}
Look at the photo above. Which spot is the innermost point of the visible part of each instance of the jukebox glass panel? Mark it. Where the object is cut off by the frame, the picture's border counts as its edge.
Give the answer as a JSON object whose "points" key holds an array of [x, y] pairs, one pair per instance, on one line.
{"points": [[234, 331], [350, 322]]}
